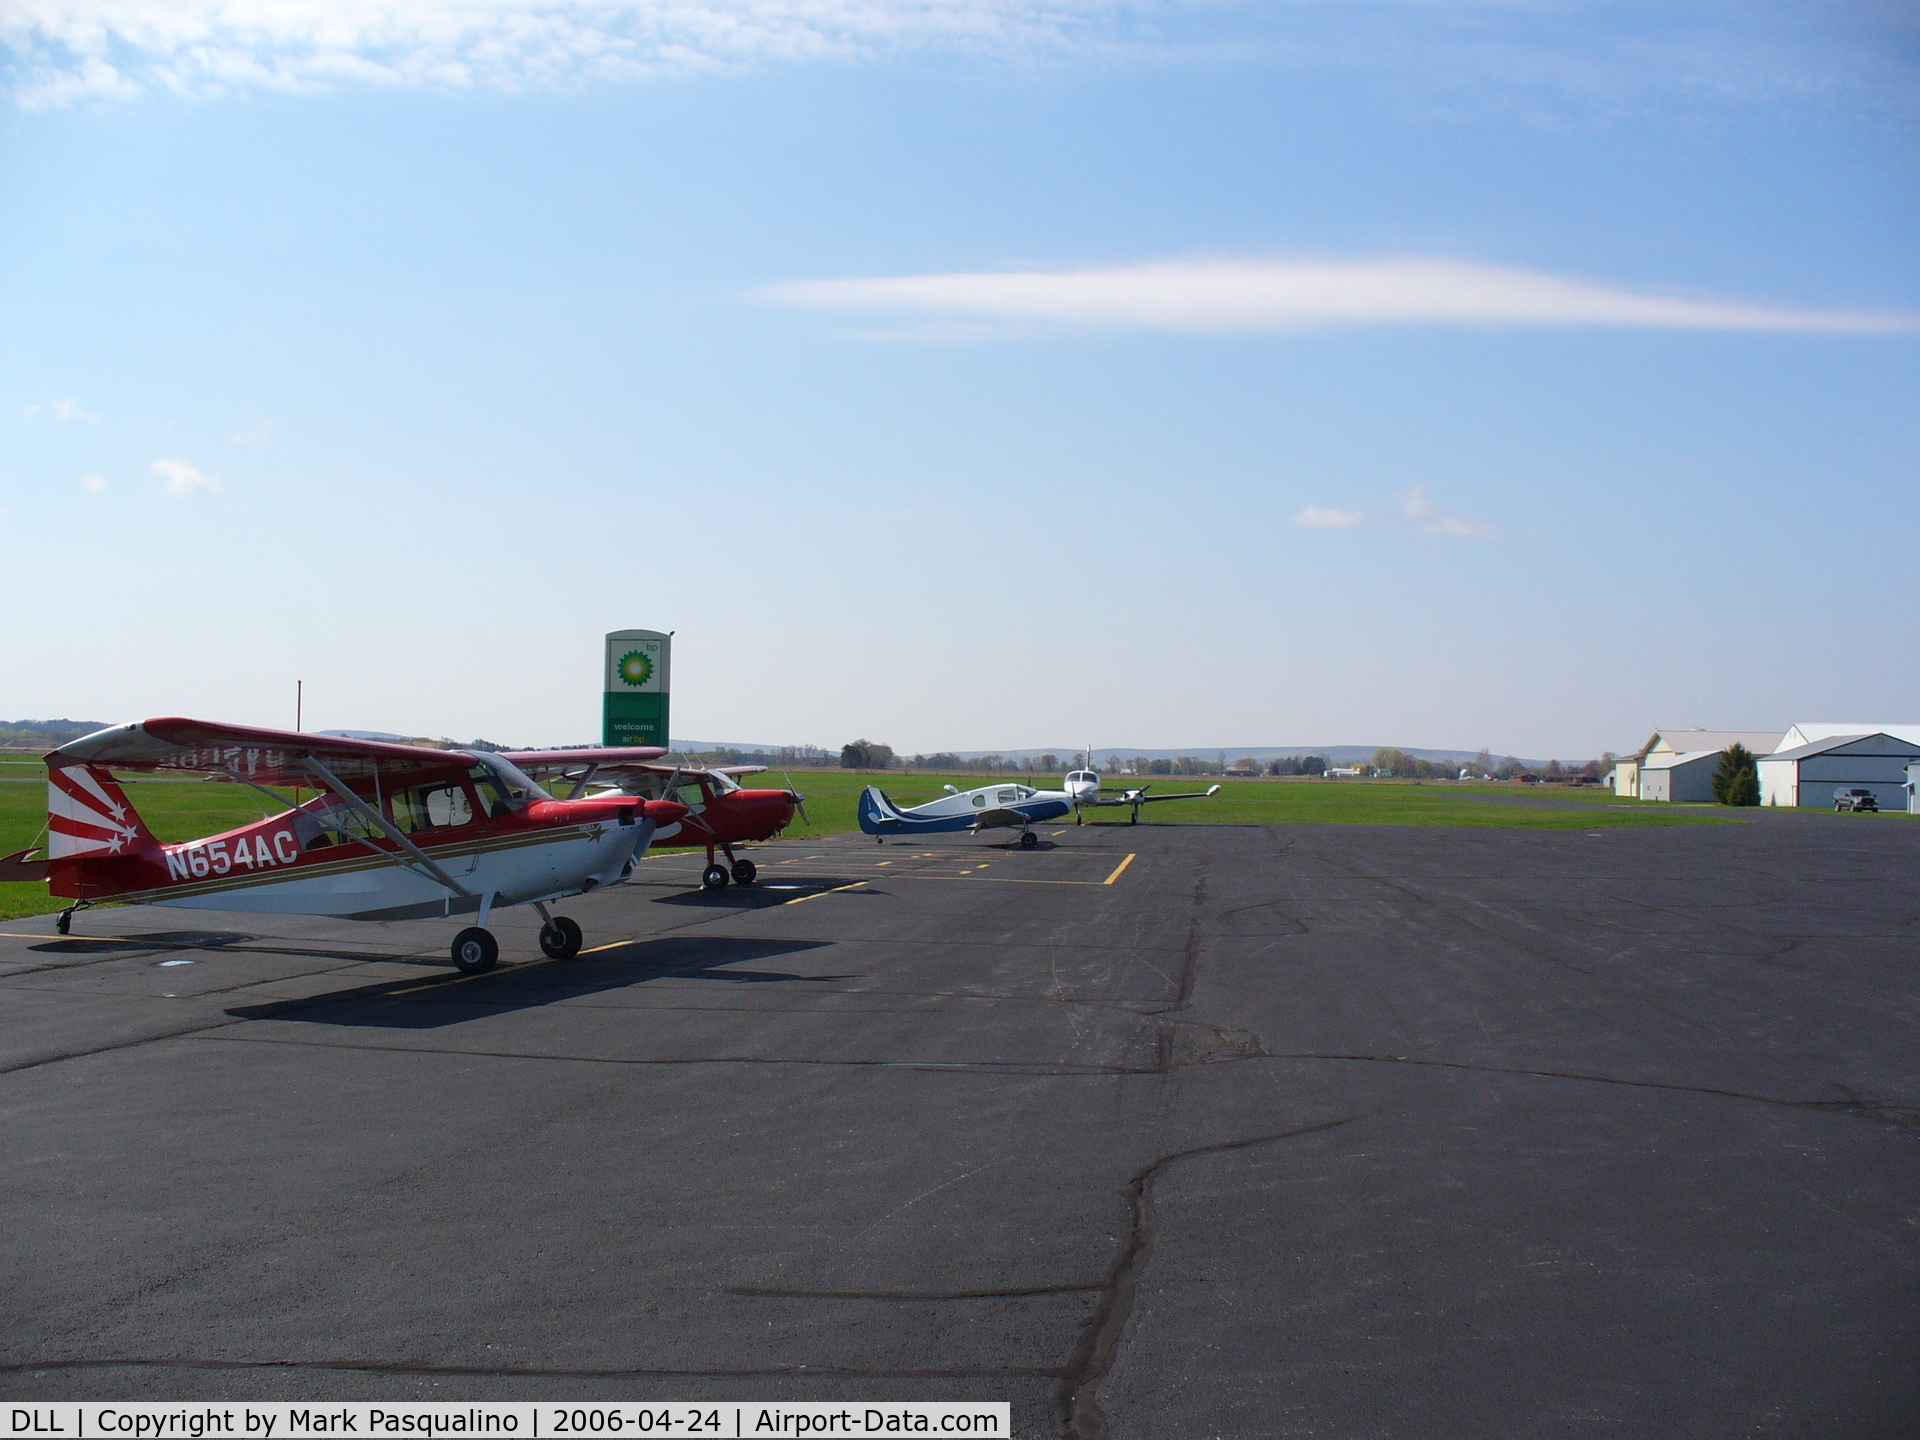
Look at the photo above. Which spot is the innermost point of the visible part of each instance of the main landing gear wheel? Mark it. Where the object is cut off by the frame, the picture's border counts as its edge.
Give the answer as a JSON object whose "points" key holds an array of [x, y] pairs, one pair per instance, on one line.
{"points": [[743, 872], [1028, 840], [714, 877], [475, 951], [560, 938]]}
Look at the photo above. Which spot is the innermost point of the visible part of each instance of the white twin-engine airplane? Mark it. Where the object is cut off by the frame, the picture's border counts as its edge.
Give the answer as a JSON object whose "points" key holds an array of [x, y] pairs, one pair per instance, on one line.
{"points": [[1083, 788], [1004, 806]]}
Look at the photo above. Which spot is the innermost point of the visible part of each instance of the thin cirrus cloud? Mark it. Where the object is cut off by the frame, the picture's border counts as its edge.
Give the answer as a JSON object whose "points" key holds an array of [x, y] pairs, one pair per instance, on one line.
{"points": [[1274, 296], [61, 411], [1586, 53], [1316, 517], [1418, 505], [71, 50], [183, 480]]}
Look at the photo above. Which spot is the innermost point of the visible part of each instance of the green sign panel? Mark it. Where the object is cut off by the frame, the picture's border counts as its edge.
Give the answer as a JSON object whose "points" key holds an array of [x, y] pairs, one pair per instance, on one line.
{"points": [[634, 720], [634, 682]]}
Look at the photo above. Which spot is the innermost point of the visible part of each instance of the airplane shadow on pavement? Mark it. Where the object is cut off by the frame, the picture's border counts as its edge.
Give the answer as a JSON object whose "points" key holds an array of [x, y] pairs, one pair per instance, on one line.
{"points": [[412, 1004], [143, 940]]}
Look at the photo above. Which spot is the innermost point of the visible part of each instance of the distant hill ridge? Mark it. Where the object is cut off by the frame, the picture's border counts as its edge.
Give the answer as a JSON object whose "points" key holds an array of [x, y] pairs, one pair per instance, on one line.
{"points": [[45, 734], [1334, 754]]}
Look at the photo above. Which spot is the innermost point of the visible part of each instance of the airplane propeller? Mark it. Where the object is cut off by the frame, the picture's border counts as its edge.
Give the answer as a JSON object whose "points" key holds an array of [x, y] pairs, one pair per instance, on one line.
{"points": [[799, 800]]}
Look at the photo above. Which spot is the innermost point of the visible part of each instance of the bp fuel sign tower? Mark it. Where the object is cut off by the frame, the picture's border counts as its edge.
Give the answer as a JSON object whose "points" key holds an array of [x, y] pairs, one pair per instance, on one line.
{"points": [[634, 708]]}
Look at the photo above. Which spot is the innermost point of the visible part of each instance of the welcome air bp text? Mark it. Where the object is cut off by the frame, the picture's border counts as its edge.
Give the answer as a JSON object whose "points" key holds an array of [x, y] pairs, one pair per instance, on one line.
{"points": [[449, 1420]]}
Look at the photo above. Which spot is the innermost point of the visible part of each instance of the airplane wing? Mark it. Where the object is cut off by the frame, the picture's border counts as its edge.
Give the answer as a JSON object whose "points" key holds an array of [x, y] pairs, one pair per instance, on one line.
{"points": [[604, 758], [630, 767], [1145, 798], [998, 819], [264, 757]]}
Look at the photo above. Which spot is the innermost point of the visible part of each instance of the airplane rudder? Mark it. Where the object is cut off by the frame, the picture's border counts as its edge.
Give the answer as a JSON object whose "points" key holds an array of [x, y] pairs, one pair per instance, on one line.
{"points": [[90, 817]]}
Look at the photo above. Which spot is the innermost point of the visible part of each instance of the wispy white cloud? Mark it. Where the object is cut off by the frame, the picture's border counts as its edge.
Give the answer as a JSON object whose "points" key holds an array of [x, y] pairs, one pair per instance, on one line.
{"points": [[62, 411], [1541, 55], [252, 433], [1314, 517], [95, 483], [183, 481], [1225, 296], [1418, 505], [70, 50]]}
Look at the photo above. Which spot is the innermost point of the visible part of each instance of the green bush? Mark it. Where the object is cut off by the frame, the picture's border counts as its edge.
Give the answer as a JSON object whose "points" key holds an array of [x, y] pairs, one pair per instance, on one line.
{"points": [[1736, 780]]}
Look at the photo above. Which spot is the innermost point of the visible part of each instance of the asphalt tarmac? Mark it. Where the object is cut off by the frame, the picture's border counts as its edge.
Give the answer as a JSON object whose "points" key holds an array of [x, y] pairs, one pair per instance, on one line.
{"points": [[1156, 1132]]}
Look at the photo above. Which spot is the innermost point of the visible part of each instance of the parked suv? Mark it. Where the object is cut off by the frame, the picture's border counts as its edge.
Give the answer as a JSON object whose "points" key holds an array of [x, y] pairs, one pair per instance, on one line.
{"points": [[1855, 799]]}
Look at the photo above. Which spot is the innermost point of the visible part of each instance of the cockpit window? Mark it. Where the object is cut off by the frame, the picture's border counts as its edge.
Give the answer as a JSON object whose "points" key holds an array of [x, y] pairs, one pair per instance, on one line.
{"points": [[721, 783], [503, 787], [430, 807]]}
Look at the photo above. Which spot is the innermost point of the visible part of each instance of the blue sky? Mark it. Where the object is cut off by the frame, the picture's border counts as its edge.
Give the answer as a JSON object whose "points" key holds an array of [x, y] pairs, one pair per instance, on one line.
{"points": [[972, 374]]}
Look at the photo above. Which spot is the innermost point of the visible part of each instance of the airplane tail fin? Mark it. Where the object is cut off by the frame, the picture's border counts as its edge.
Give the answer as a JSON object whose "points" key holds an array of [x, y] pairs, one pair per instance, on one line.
{"points": [[877, 813], [96, 840]]}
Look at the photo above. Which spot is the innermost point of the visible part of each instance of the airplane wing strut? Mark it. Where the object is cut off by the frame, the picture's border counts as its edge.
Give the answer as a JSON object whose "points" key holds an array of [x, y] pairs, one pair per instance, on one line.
{"points": [[373, 817]]}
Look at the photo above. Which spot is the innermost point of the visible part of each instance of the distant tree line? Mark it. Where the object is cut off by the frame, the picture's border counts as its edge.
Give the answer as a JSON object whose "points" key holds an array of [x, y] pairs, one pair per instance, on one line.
{"points": [[1299, 765], [45, 734], [1389, 762]]}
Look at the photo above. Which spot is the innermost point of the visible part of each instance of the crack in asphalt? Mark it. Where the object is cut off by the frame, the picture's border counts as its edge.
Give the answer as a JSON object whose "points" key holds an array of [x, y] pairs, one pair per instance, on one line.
{"points": [[1018, 1293], [1076, 1402], [402, 1367], [1011, 1067], [1901, 1115]]}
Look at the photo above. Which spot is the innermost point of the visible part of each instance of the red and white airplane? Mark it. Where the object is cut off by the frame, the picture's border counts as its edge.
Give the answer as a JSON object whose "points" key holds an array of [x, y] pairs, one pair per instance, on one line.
{"points": [[720, 814], [397, 832]]}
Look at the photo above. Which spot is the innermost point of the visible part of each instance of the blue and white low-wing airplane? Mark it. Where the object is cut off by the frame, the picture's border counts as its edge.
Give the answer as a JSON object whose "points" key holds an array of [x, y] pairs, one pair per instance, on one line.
{"points": [[991, 807]]}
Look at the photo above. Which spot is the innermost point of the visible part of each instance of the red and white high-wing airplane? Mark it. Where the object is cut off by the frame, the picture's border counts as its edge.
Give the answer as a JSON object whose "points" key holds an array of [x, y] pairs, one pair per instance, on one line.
{"points": [[398, 832], [720, 813]]}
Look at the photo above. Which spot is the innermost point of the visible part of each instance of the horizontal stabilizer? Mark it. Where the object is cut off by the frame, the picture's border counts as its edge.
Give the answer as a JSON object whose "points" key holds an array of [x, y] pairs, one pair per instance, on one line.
{"points": [[21, 866]]}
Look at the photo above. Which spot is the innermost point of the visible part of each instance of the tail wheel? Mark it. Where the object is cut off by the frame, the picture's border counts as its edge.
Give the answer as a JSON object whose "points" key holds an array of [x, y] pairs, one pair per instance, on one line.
{"points": [[1028, 840], [714, 877], [744, 871], [475, 951], [560, 938]]}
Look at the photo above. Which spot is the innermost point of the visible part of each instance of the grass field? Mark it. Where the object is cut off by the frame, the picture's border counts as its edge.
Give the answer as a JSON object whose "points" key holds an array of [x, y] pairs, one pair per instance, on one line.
{"points": [[181, 810]]}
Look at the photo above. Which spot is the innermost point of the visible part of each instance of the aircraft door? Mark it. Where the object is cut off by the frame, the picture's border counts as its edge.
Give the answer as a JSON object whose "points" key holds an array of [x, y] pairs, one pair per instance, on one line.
{"points": [[444, 820]]}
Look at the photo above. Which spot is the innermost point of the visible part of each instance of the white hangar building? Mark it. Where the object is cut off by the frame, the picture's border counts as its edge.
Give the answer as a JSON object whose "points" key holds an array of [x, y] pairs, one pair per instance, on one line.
{"points": [[1808, 772], [1679, 764]]}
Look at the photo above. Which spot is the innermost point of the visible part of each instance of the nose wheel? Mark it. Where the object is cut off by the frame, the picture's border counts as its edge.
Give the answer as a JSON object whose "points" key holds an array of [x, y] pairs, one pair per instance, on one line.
{"points": [[560, 938]]}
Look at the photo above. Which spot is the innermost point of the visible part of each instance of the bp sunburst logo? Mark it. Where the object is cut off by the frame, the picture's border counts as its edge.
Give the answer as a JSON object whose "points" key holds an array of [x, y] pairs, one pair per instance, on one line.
{"points": [[634, 668]]}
